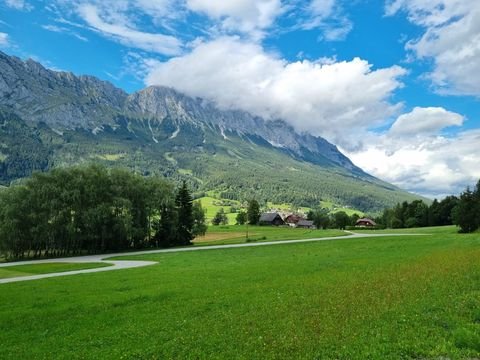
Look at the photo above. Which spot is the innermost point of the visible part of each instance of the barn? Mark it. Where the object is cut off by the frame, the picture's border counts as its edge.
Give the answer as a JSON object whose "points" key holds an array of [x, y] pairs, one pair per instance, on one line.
{"points": [[271, 219], [305, 224]]}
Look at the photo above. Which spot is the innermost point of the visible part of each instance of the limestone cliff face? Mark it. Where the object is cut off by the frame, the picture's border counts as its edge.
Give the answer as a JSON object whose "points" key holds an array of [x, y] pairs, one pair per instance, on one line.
{"points": [[64, 101], [159, 104], [59, 99]]}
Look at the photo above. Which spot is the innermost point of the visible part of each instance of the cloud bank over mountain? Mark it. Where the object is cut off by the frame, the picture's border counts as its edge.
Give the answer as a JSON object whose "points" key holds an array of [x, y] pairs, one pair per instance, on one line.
{"points": [[321, 97], [236, 54]]}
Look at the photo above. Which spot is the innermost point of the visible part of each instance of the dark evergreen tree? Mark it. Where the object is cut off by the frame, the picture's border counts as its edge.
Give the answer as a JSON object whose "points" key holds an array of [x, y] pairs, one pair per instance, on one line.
{"points": [[446, 207], [166, 227], [253, 212], [467, 212], [434, 213], [184, 204]]}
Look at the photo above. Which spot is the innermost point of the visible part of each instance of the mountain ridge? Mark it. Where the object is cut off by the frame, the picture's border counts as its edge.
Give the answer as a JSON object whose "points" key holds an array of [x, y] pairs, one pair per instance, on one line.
{"points": [[154, 103], [159, 130]]}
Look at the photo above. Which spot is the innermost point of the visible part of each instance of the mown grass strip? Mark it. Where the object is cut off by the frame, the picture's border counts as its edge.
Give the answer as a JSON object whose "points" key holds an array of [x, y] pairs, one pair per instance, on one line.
{"points": [[47, 268]]}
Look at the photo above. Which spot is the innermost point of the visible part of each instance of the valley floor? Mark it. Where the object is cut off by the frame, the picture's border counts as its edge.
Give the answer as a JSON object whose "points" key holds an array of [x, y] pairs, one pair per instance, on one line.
{"points": [[379, 297], [55, 267]]}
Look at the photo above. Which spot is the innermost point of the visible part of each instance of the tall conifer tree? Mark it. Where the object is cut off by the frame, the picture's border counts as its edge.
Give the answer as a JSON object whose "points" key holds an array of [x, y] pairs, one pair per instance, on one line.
{"points": [[184, 203]]}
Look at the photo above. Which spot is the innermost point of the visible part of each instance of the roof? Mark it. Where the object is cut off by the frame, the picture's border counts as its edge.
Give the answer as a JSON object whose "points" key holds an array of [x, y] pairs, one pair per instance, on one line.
{"points": [[269, 217], [305, 223], [365, 220], [293, 218]]}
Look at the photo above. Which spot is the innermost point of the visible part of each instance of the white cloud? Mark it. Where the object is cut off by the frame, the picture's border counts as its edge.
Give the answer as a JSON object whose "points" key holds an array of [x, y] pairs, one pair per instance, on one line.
{"points": [[322, 8], [336, 33], [319, 97], [64, 30], [428, 163], [158, 9], [425, 121], [18, 4], [3, 39], [451, 39], [329, 17], [115, 25], [245, 16]]}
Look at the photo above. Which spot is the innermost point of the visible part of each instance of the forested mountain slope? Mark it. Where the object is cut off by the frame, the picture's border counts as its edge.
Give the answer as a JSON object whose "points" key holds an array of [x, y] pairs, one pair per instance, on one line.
{"points": [[50, 119]]}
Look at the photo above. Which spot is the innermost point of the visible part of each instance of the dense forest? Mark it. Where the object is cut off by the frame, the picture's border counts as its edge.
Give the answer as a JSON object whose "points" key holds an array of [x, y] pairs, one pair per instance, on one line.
{"points": [[94, 209], [463, 211]]}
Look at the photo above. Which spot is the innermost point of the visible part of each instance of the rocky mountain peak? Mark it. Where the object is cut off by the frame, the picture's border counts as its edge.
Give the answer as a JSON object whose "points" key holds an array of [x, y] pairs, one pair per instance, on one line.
{"points": [[65, 101]]}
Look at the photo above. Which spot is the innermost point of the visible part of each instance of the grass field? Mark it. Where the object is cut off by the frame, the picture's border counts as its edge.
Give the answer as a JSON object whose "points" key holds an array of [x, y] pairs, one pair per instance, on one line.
{"points": [[378, 298], [333, 208], [26, 270], [235, 234], [440, 230], [209, 204]]}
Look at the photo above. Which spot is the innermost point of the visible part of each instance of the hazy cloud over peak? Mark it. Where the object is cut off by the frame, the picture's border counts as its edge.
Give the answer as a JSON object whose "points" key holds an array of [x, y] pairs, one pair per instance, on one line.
{"points": [[313, 96]]}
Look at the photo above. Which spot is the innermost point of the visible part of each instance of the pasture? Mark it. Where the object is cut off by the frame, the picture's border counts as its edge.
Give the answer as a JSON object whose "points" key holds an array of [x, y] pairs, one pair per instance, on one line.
{"points": [[378, 298], [236, 234]]}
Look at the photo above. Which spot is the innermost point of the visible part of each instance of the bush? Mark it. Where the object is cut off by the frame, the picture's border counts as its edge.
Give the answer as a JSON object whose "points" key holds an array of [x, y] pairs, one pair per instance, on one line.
{"points": [[466, 339], [220, 218]]}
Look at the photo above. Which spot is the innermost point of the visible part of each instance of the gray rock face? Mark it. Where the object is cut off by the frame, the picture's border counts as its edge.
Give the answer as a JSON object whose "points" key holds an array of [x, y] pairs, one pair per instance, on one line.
{"points": [[60, 99], [65, 101], [159, 103]]}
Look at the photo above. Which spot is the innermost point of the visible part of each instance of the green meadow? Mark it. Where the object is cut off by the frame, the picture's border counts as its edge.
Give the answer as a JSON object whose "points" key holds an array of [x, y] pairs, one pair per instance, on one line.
{"points": [[386, 297], [211, 206]]}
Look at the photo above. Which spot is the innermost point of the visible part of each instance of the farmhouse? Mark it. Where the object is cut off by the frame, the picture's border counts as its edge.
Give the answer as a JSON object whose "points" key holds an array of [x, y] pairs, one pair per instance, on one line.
{"points": [[305, 224], [293, 219], [365, 223], [271, 219]]}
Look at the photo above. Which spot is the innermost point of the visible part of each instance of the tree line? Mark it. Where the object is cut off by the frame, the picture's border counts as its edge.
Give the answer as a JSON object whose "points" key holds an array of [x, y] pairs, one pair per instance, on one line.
{"points": [[463, 211], [91, 209]]}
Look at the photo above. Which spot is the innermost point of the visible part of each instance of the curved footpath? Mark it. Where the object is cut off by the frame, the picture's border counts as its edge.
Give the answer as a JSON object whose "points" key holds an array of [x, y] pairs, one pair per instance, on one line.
{"points": [[127, 264]]}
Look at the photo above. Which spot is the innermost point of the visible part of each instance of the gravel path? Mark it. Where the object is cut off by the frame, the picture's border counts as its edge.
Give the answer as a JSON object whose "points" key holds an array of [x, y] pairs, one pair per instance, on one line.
{"points": [[128, 264]]}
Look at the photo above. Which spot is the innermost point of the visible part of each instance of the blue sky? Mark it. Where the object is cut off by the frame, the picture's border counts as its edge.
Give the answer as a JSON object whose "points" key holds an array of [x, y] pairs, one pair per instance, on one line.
{"points": [[394, 83]]}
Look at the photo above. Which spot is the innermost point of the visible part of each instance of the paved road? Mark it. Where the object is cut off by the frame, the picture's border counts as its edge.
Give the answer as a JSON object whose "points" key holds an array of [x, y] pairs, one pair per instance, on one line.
{"points": [[127, 264]]}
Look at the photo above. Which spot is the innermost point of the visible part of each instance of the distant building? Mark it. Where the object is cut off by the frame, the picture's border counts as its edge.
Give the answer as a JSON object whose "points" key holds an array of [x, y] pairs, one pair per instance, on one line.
{"points": [[293, 219], [305, 224], [271, 219], [365, 223]]}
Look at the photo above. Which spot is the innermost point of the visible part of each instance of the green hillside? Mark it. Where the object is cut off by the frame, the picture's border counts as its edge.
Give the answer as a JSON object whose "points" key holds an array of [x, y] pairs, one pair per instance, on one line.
{"points": [[236, 169]]}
